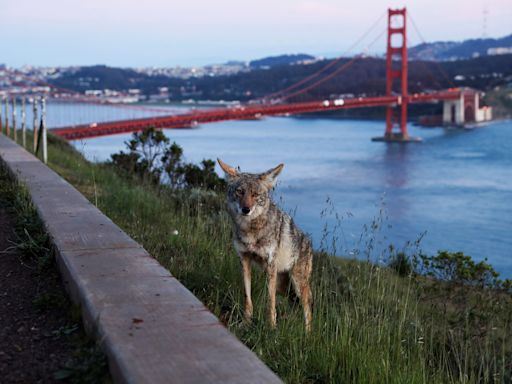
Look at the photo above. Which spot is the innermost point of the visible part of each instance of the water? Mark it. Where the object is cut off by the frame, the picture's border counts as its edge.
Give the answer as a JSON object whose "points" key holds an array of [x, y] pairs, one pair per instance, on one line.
{"points": [[456, 186]]}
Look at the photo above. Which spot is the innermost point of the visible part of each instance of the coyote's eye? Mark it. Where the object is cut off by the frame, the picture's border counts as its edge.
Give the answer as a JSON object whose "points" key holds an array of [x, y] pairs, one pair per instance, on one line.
{"points": [[255, 195], [239, 191]]}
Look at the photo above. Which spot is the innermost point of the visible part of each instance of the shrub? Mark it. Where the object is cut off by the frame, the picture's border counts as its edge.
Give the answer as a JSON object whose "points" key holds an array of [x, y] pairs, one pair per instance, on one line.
{"points": [[143, 159], [152, 159], [401, 263], [459, 268]]}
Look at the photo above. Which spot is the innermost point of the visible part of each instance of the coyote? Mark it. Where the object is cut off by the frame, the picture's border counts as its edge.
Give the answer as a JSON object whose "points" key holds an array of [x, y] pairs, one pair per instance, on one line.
{"points": [[263, 234]]}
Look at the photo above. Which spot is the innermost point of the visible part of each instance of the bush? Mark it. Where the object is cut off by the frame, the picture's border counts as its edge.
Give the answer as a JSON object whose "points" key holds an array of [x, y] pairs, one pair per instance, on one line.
{"points": [[188, 175], [401, 263], [153, 160], [459, 268], [145, 150]]}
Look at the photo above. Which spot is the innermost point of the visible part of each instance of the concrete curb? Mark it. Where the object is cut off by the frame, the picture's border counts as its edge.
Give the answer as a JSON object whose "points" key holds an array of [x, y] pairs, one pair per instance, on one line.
{"points": [[151, 327]]}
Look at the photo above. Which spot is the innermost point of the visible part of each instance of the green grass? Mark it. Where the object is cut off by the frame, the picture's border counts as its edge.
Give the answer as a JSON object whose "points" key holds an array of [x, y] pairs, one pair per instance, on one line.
{"points": [[370, 325]]}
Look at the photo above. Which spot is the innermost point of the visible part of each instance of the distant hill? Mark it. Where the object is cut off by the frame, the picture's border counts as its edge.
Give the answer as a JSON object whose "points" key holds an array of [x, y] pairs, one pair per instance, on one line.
{"points": [[272, 61], [467, 49], [98, 77], [366, 77]]}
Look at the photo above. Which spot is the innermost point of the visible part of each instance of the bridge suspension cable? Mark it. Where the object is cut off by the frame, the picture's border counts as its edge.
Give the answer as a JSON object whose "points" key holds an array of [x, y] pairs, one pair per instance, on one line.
{"points": [[428, 71], [328, 66], [331, 75], [422, 39]]}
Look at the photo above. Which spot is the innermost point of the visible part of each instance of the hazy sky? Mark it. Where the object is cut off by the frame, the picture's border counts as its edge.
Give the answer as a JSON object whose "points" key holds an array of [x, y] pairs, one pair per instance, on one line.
{"points": [[191, 32]]}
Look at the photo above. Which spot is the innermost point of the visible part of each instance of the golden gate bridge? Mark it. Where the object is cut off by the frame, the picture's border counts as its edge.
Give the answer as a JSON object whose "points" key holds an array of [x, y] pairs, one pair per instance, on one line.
{"points": [[460, 104]]}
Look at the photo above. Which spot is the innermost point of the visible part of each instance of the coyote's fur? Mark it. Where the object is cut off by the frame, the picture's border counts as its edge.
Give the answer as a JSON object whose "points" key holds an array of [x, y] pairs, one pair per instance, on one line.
{"points": [[263, 234]]}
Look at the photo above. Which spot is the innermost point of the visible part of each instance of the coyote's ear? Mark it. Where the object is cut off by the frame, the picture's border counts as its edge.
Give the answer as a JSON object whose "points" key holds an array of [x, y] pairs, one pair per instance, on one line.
{"points": [[228, 170], [270, 176]]}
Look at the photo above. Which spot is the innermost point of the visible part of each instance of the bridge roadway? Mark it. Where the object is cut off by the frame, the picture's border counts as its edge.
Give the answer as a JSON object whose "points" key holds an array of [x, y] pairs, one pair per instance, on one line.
{"points": [[243, 112]]}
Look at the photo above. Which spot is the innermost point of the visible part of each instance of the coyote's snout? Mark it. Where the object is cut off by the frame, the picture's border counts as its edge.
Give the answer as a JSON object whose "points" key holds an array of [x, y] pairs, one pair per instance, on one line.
{"points": [[267, 236]]}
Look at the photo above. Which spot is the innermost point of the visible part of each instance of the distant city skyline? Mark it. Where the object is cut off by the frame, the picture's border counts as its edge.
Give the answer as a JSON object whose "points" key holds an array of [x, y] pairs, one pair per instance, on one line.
{"points": [[163, 33]]}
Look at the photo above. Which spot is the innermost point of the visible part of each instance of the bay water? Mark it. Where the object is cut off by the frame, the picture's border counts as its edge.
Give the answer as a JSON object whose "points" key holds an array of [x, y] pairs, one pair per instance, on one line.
{"points": [[353, 196]]}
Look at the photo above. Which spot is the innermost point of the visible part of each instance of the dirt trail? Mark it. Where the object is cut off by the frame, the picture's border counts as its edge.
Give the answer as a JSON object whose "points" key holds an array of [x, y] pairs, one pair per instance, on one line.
{"points": [[32, 345]]}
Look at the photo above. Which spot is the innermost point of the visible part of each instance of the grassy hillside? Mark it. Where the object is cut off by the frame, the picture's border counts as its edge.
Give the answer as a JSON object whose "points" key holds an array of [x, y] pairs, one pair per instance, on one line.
{"points": [[371, 324]]}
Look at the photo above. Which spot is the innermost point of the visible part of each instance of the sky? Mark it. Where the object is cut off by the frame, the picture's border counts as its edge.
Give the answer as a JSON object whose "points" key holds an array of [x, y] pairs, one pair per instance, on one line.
{"points": [[164, 33]]}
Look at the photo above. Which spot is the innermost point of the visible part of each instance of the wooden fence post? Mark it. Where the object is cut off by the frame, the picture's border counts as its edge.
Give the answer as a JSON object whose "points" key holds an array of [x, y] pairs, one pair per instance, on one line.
{"points": [[23, 123], [43, 124], [7, 128], [14, 131], [34, 121]]}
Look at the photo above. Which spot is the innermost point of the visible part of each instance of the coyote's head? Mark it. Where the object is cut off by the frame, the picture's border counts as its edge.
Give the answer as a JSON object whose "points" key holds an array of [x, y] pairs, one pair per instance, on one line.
{"points": [[248, 193]]}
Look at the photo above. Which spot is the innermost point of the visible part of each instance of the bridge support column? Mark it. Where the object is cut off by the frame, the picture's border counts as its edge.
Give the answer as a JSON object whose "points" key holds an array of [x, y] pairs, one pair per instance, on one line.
{"points": [[397, 68], [453, 111]]}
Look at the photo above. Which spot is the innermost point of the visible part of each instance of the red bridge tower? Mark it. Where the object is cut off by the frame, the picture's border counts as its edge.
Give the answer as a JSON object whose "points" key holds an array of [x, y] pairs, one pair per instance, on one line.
{"points": [[396, 68]]}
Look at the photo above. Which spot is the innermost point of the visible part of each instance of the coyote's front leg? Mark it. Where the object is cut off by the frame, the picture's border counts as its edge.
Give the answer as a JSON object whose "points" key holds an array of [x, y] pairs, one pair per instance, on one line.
{"points": [[246, 272], [272, 285]]}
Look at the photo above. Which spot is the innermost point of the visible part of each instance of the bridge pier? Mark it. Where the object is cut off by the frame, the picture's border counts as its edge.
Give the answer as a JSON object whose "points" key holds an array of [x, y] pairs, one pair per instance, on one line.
{"points": [[397, 137], [465, 109], [453, 111]]}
